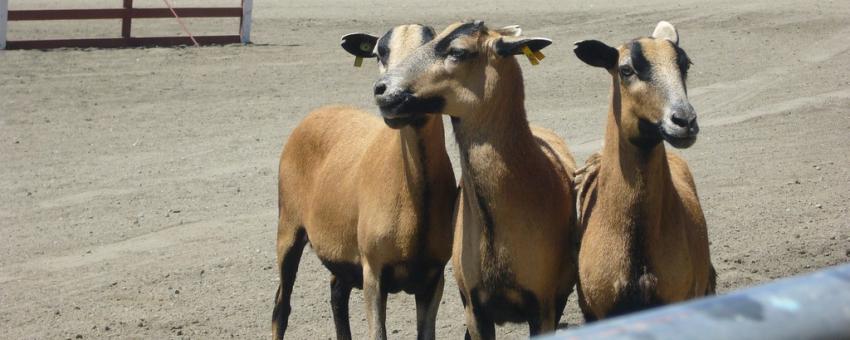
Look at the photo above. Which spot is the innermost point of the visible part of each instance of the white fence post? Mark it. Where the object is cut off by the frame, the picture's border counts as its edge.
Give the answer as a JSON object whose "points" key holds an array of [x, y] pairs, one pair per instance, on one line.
{"points": [[245, 30], [4, 17]]}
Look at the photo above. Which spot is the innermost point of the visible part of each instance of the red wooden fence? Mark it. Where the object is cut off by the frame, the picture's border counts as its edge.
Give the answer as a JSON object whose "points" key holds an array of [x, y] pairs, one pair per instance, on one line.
{"points": [[127, 13]]}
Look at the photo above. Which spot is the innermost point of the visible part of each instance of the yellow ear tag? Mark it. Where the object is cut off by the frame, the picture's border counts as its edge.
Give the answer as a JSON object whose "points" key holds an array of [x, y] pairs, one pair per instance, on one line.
{"points": [[539, 55], [365, 47], [530, 55]]}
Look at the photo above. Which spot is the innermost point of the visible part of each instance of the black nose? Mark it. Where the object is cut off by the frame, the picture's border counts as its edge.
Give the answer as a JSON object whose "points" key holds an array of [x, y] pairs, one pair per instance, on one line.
{"points": [[683, 122], [380, 88], [684, 116]]}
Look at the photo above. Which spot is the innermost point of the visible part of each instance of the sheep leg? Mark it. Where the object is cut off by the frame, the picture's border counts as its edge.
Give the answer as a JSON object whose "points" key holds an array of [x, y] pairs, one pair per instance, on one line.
{"points": [[543, 321], [466, 335], [375, 297], [560, 307], [582, 303], [712, 280], [478, 325], [340, 293], [290, 244], [427, 304]]}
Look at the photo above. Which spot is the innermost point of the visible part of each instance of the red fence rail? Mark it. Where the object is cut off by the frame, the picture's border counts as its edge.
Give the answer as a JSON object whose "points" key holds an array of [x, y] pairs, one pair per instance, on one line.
{"points": [[127, 13]]}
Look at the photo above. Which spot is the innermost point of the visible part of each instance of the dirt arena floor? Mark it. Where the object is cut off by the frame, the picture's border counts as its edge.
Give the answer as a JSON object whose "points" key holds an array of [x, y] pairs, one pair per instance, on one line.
{"points": [[138, 186]]}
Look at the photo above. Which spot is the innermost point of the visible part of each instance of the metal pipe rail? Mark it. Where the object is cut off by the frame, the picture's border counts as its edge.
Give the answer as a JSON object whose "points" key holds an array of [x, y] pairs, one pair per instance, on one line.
{"points": [[812, 306]]}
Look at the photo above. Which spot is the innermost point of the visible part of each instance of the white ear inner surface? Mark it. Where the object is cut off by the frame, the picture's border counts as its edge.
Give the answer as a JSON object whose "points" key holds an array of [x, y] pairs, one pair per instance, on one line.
{"points": [[665, 30], [510, 31]]}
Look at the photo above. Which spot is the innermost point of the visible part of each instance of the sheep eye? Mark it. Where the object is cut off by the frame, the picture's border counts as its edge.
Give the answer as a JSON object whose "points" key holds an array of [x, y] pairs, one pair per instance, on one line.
{"points": [[459, 54], [626, 71]]}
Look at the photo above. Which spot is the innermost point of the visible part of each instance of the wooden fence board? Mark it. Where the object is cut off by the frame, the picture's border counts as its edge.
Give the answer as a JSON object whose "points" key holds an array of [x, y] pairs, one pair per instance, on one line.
{"points": [[127, 13]]}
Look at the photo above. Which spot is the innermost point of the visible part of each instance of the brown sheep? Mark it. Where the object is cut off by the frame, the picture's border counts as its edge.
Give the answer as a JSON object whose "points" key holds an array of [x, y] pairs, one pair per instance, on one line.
{"points": [[514, 253], [645, 241], [373, 198]]}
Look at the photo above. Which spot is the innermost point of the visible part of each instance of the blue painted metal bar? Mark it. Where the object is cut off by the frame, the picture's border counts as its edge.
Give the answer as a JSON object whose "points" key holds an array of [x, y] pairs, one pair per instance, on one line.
{"points": [[813, 306]]}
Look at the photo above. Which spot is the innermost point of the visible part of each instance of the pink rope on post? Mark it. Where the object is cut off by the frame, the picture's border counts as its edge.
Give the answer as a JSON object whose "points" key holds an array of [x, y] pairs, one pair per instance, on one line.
{"points": [[183, 25]]}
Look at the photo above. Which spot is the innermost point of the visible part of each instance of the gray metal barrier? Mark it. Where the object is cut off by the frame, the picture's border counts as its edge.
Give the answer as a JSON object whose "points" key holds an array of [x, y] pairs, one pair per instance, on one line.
{"points": [[812, 306]]}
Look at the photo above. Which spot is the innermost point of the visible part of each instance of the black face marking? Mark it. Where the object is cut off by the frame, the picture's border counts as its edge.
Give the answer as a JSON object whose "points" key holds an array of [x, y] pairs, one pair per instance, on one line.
{"points": [[427, 34], [642, 67], [460, 54], [384, 47], [467, 29], [649, 136], [683, 61]]}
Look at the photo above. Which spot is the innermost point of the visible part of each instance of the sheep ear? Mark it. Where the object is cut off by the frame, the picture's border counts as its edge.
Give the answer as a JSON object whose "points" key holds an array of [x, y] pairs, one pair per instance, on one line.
{"points": [[665, 30], [360, 45], [510, 31], [508, 46], [597, 53]]}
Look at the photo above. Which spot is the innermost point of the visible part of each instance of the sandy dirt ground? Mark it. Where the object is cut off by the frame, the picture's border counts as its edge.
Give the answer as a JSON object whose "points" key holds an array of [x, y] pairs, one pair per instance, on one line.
{"points": [[138, 186]]}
